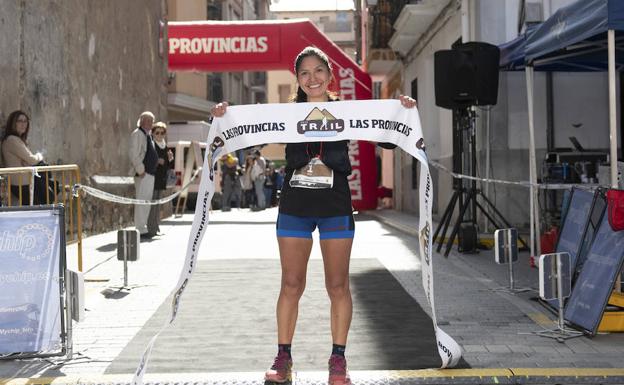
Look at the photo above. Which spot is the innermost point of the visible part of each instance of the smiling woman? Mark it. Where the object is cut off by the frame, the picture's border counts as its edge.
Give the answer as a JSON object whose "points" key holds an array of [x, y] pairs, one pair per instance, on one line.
{"points": [[315, 194]]}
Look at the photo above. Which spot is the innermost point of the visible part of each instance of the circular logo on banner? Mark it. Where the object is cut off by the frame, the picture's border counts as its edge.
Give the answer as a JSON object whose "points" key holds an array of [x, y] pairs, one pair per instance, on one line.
{"points": [[35, 241]]}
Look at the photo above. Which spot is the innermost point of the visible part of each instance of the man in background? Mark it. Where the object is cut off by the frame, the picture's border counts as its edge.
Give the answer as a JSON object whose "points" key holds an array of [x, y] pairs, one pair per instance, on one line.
{"points": [[144, 160]]}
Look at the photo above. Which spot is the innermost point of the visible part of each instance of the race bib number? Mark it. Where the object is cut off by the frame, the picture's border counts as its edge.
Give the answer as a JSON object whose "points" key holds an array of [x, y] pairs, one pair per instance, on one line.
{"points": [[314, 175]]}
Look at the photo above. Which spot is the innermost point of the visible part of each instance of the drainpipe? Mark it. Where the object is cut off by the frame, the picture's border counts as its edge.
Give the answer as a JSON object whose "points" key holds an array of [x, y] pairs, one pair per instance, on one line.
{"points": [[358, 32], [465, 20]]}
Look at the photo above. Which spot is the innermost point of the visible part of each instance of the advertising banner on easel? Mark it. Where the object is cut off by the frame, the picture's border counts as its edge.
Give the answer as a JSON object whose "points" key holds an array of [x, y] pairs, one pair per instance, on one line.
{"points": [[32, 266]]}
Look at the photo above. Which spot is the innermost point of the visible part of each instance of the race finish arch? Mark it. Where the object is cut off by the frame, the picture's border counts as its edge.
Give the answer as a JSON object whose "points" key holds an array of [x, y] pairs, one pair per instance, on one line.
{"points": [[265, 45]]}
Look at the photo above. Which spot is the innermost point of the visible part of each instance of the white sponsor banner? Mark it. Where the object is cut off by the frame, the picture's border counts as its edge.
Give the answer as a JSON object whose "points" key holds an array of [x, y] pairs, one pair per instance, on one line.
{"points": [[372, 120], [30, 307]]}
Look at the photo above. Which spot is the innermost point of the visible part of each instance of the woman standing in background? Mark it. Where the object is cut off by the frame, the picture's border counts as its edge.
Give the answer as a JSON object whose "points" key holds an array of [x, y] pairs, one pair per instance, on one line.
{"points": [[165, 161], [15, 153]]}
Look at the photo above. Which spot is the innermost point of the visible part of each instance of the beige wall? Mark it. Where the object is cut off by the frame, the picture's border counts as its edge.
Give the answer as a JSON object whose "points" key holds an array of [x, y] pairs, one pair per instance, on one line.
{"points": [[188, 83], [326, 22], [277, 78]]}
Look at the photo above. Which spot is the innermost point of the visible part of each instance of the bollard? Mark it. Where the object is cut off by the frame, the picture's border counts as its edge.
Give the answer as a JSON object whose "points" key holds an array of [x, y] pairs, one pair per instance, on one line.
{"points": [[128, 242]]}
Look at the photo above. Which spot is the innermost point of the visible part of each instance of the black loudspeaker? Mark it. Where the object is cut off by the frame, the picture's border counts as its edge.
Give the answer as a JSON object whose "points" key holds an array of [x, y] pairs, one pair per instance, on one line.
{"points": [[467, 75]]}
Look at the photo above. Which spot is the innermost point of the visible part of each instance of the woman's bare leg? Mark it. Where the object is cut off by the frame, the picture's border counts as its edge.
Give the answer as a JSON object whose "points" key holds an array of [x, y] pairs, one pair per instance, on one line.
{"points": [[294, 256], [336, 257]]}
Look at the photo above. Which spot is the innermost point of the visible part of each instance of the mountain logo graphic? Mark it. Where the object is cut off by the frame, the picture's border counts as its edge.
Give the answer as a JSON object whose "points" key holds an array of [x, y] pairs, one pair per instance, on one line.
{"points": [[320, 123]]}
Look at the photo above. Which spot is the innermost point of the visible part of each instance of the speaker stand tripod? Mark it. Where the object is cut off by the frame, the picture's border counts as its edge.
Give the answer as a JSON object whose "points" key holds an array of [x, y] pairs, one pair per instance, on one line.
{"points": [[466, 196]]}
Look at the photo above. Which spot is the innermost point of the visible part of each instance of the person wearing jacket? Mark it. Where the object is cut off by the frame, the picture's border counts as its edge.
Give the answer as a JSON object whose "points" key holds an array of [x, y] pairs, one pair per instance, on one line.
{"points": [[315, 194], [15, 153], [144, 160], [164, 164]]}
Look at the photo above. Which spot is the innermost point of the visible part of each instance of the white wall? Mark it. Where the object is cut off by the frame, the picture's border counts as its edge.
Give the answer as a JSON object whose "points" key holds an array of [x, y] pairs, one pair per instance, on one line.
{"points": [[581, 99], [436, 122], [578, 98]]}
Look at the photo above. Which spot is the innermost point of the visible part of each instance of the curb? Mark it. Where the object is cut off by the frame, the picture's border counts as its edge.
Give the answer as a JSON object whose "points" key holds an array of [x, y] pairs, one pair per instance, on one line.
{"points": [[520, 376]]}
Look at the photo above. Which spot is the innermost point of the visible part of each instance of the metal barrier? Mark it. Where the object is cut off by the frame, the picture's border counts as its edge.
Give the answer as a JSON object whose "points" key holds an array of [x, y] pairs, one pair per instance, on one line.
{"points": [[18, 183]]}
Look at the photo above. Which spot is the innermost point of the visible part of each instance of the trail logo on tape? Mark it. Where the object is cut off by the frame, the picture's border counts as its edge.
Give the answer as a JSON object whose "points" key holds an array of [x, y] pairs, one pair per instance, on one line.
{"points": [[320, 123]]}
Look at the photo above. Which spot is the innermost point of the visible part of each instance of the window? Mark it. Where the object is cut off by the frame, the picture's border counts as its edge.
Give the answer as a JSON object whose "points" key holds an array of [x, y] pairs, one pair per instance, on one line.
{"points": [[214, 11], [237, 89], [215, 87], [377, 90]]}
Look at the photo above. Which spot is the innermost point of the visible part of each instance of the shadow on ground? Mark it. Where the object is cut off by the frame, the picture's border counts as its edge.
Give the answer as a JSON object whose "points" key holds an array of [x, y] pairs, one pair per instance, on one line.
{"points": [[403, 333]]}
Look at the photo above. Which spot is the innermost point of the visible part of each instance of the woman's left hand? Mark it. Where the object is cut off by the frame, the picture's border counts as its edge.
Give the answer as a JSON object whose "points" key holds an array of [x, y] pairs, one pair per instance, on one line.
{"points": [[407, 102]]}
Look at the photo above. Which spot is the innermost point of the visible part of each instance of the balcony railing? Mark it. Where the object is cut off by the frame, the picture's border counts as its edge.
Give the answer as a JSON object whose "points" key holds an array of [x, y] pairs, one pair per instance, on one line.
{"points": [[382, 18]]}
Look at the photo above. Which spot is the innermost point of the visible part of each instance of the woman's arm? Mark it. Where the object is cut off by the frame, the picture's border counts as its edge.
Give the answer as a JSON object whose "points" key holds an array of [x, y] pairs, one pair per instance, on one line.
{"points": [[20, 150]]}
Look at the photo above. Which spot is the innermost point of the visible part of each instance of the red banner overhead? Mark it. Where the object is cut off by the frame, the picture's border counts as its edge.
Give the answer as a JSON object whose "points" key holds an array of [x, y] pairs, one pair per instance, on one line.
{"points": [[224, 46], [220, 46]]}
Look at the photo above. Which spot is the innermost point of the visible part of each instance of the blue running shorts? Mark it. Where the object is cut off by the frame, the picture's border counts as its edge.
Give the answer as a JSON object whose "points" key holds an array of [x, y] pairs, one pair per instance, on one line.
{"points": [[302, 227]]}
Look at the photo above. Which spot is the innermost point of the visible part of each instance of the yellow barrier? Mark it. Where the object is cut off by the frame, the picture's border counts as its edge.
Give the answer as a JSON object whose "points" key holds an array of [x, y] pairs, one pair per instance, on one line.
{"points": [[17, 184]]}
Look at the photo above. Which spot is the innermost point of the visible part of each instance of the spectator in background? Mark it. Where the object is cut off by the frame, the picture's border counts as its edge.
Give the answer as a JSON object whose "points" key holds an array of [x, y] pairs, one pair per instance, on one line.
{"points": [[249, 196], [270, 185], [144, 160], [279, 180], [164, 164], [258, 177], [230, 183], [15, 153]]}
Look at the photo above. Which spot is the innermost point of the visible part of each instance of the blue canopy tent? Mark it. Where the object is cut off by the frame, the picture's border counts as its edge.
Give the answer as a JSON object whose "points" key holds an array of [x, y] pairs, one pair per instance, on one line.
{"points": [[575, 38], [513, 52], [587, 35]]}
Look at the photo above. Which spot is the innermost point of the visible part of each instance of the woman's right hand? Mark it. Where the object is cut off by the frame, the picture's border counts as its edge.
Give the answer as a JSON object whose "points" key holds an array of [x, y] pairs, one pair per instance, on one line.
{"points": [[219, 110]]}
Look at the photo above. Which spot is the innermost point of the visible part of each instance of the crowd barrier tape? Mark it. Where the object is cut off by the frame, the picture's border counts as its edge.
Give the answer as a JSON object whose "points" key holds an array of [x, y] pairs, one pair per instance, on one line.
{"points": [[544, 186], [131, 201], [59, 179]]}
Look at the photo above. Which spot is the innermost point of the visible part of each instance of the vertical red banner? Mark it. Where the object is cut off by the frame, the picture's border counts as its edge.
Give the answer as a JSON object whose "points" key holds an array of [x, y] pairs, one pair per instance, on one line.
{"points": [[363, 179]]}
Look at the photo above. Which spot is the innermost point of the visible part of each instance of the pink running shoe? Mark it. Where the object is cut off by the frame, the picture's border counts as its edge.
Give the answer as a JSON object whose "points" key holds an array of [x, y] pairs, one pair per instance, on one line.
{"points": [[281, 370], [338, 374]]}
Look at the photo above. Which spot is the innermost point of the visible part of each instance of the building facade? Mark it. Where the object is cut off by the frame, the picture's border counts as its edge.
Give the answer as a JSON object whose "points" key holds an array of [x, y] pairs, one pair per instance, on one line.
{"points": [[192, 94], [401, 60]]}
